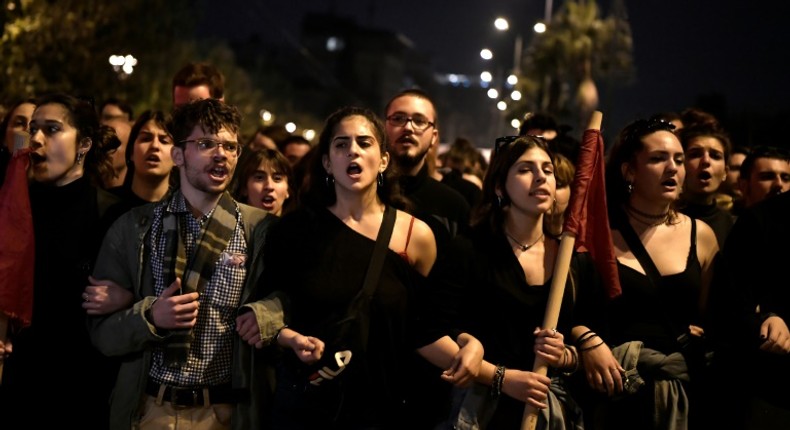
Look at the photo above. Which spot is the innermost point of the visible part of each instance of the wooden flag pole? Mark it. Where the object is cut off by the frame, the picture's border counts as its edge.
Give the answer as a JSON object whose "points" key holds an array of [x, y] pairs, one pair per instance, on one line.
{"points": [[561, 267]]}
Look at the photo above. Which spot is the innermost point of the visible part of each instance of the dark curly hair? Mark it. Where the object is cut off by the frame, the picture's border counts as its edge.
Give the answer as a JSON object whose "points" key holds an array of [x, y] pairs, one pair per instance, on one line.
{"points": [[210, 114], [82, 116]]}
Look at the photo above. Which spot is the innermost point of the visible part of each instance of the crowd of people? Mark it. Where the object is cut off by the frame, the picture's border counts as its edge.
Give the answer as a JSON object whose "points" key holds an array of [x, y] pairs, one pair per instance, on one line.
{"points": [[188, 277]]}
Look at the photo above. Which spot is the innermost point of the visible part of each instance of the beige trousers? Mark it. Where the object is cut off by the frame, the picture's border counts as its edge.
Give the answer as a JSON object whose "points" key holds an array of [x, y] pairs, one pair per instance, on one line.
{"points": [[164, 417]]}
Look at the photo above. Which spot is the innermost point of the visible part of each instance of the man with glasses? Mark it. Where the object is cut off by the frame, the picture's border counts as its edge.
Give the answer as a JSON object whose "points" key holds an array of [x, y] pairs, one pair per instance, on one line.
{"points": [[412, 129], [189, 263]]}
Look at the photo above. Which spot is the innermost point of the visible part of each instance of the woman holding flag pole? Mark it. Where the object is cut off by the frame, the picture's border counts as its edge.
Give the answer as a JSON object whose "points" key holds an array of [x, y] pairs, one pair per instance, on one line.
{"points": [[509, 264]]}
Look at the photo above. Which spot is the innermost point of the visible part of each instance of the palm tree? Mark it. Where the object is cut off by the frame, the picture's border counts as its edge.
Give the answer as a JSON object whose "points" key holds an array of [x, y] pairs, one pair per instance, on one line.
{"points": [[561, 65]]}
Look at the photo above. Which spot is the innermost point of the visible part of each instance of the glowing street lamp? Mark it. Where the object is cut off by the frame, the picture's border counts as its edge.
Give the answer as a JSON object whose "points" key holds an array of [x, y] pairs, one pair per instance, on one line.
{"points": [[266, 116], [123, 65]]}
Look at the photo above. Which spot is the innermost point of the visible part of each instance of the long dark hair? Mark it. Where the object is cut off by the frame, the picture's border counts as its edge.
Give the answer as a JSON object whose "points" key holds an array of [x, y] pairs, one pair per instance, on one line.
{"points": [[160, 119], [82, 116], [319, 192], [508, 150]]}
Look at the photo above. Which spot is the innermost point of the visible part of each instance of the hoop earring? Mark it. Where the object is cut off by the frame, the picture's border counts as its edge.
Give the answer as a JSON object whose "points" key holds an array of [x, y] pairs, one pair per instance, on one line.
{"points": [[330, 180], [380, 179]]}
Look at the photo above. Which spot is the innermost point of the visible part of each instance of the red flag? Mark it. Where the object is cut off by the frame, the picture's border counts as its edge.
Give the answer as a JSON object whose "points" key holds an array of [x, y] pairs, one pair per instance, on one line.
{"points": [[17, 250], [587, 216]]}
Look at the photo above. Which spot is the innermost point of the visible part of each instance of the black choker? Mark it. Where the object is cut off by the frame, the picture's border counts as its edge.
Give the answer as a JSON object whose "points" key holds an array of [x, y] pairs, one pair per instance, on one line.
{"points": [[634, 210], [521, 246]]}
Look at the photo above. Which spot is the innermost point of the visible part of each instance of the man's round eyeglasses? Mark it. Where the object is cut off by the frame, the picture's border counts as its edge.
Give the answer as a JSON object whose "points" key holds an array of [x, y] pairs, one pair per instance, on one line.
{"points": [[206, 145], [419, 122]]}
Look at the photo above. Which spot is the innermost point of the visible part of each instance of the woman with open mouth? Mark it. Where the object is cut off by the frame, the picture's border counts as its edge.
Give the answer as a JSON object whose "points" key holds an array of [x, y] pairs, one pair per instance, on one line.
{"points": [[70, 213], [352, 345], [665, 264], [151, 174], [263, 179], [707, 149]]}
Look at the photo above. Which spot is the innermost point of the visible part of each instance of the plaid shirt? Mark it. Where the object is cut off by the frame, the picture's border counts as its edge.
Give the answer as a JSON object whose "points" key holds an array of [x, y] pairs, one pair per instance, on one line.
{"points": [[210, 356]]}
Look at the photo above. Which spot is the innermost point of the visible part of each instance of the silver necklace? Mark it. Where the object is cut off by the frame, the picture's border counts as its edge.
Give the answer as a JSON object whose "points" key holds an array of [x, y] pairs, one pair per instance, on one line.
{"points": [[520, 245]]}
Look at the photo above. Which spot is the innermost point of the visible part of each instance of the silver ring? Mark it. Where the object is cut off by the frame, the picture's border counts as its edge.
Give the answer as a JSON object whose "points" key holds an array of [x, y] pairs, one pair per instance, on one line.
{"points": [[554, 332]]}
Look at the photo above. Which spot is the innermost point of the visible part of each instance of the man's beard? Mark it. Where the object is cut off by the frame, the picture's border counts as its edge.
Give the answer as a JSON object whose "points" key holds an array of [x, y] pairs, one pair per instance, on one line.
{"points": [[197, 179], [407, 162]]}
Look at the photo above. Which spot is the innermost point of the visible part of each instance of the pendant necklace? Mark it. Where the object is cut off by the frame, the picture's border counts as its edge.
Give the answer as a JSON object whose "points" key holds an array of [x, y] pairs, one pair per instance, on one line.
{"points": [[521, 246]]}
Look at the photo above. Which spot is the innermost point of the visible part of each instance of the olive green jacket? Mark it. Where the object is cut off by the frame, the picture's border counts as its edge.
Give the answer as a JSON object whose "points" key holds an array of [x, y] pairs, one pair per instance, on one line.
{"points": [[124, 259]]}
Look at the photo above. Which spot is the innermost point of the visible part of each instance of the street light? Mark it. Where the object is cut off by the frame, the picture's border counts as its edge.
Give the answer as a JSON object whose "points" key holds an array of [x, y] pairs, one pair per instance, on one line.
{"points": [[266, 116], [123, 65]]}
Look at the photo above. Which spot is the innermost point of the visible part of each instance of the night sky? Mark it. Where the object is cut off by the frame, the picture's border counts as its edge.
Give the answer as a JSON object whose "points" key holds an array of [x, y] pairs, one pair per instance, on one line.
{"points": [[683, 49]]}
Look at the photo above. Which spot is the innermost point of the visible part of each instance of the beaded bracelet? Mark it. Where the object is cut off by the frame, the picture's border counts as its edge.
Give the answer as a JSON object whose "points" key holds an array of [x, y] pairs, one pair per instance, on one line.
{"points": [[496, 383]]}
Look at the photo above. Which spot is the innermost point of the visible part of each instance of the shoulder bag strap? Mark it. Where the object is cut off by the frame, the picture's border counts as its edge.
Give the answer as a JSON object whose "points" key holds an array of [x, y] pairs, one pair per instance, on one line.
{"points": [[653, 275], [638, 248], [360, 305], [379, 252]]}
